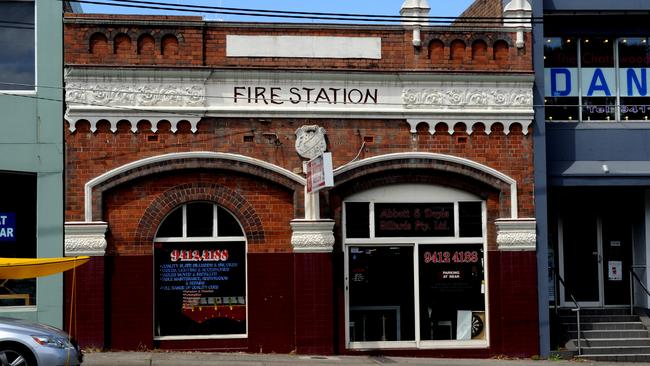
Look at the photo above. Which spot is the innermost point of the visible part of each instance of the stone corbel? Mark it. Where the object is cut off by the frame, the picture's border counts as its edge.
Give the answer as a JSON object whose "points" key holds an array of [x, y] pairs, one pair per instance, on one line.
{"points": [[516, 234], [85, 238], [312, 236]]}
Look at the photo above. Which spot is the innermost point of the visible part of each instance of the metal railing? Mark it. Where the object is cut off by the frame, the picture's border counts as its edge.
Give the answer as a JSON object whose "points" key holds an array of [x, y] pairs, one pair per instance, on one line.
{"points": [[575, 302], [634, 276]]}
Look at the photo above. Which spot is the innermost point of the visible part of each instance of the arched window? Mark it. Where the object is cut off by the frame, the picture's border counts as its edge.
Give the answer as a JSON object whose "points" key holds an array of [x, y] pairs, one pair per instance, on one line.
{"points": [[479, 51], [200, 274], [169, 44], [501, 52], [436, 50], [457, 51], [98, 44], [146, 45], [122, 44]]}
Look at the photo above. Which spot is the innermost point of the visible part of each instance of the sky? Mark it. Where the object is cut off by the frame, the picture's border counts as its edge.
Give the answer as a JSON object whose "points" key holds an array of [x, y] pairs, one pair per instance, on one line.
{"points": [[379, 7]]}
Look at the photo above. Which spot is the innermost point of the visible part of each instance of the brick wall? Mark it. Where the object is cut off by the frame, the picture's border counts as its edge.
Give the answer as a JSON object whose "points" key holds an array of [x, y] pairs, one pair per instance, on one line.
{"points": [[91, 154], [186, 41], [295, 299]]}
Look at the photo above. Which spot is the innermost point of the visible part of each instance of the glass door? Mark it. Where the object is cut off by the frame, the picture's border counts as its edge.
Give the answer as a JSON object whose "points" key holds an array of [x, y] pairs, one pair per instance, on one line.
{"points": [[617, 257], [381, 302], [580, 260]]}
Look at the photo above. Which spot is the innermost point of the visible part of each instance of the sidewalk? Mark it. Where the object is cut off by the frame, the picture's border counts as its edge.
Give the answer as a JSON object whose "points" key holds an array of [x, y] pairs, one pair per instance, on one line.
{"points": [[244, 359]]}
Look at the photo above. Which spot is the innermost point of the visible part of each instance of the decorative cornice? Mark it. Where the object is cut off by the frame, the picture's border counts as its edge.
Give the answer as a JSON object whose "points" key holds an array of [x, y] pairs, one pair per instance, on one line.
{"points": [[85, 238], [312, 236], [516, 234], [175, 96]]}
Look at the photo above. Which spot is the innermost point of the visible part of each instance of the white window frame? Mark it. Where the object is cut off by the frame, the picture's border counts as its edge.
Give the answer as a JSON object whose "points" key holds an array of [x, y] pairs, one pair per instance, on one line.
{"points": [[216, 239], [415, 193], [34, 90]]}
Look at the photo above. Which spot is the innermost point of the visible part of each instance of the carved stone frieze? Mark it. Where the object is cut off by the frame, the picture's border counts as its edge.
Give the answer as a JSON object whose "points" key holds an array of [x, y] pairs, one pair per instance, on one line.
{"points": [[85, 238], [312, 236], [138, 95], [453, 98], [516, 234]]}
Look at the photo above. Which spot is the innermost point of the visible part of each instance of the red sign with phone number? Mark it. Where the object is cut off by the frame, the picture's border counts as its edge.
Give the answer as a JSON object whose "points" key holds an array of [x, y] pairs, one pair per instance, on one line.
{"points": [[449, 257]]}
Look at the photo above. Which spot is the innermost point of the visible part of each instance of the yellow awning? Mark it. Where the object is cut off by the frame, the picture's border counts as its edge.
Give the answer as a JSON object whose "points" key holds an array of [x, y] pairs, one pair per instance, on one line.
{"points": [[17, 268]]}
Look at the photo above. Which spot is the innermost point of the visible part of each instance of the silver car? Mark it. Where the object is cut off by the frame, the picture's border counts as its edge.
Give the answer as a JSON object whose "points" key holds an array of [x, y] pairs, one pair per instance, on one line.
{"points": [[23, 343]]}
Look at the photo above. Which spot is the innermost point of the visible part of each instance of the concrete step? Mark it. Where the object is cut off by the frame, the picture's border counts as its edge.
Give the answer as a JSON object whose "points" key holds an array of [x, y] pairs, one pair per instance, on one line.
{"points": [[596, 311], [604, 326], [616, 358], [599, 334], [599, 318], [620, 350], [609, 342]]}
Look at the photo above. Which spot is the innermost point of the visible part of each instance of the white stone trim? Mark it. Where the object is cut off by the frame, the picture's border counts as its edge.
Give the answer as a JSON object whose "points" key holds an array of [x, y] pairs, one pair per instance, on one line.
{"points": [[516, 234], [88, 188], [85, 238], [95, 95], [442, 157], [303, 46], [312, 236]]}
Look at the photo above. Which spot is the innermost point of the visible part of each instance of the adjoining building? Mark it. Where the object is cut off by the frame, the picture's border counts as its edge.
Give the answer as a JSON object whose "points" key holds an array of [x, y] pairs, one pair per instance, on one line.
{"points": [[31, 152], [186, 144], [592, 152]]}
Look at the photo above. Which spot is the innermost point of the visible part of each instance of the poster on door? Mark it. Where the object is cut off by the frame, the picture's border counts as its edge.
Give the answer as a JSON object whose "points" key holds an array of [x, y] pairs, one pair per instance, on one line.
{"points": [[615, 270]]}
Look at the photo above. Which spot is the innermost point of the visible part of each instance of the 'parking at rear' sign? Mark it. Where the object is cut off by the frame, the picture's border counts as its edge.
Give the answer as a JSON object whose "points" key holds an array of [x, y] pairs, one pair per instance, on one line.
{"points": [[7, 226]]}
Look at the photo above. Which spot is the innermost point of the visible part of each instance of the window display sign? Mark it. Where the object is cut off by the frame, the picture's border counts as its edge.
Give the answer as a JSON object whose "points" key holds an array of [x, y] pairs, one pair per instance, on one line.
{"points": [[414, 219], [451, 282], [7, 226], [200, 288]]}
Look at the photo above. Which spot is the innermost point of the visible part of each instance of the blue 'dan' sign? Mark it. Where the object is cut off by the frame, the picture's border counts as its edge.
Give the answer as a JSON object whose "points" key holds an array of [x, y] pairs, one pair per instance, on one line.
{"points": [[7, 226], [596, 82]]}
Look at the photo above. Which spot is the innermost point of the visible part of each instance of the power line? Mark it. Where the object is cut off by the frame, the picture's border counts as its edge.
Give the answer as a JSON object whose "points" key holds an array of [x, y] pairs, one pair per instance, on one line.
{"points": [[142, 109], [293, 14]]}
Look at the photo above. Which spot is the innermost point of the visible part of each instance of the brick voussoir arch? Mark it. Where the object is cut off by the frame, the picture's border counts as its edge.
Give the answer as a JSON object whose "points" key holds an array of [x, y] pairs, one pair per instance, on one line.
{"points": [[199, 191], [95, 188], [429, 161]]}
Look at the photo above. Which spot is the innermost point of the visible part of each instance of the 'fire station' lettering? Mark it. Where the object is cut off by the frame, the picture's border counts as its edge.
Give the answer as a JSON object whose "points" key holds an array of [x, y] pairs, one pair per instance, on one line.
{"points": [[296, 95]]}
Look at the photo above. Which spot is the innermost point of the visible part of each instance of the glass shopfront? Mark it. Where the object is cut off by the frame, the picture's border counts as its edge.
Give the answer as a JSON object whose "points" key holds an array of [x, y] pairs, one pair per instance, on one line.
{"points": [[18, 234], [415, 268], [596, 79], [200, 274]]}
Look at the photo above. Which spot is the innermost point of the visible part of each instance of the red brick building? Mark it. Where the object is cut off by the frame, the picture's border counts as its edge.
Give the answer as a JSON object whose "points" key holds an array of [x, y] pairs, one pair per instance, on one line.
{"points": [[185, 145]]}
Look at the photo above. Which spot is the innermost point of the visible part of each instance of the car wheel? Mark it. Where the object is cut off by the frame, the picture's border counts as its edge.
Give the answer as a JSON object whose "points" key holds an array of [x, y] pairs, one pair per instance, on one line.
{"points": [[14, 357]]}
